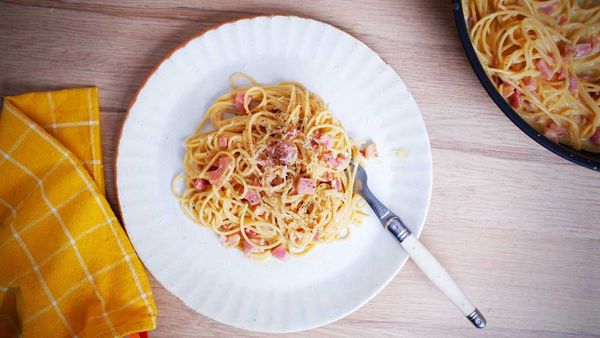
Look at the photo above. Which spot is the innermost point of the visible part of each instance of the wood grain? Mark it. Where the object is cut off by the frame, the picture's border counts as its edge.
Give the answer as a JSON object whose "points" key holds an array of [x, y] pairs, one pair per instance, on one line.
{"points": [[517, 227]]}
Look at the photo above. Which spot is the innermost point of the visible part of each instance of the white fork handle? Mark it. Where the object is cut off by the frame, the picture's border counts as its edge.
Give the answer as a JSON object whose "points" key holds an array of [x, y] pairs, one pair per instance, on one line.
{"points": [[425, 260], [434, 271]]}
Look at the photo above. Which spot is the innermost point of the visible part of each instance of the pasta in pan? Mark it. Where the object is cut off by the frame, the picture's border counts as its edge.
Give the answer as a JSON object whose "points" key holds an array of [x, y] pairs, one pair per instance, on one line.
{"points": [[544, 58], [271, 174]]}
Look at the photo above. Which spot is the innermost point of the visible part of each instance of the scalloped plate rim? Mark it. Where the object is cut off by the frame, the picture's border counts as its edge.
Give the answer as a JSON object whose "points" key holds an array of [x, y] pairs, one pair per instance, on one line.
{"points": [[184, 45]]}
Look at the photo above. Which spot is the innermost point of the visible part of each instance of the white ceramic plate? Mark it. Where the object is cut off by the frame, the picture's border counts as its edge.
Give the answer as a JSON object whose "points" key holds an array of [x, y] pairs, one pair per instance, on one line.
{"points": [[335, 279]]}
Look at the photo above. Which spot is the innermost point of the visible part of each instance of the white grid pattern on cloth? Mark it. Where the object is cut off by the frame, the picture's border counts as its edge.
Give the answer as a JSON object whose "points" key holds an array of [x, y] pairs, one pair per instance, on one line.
{"points": [[98, 201], [48, 213], [75, 287], [71, 124], [59, 250], [92, 141], [41, 279], [13, 209], [42, 217], [17, 143], [66, 232], [52, 110], [93, 162], [124, 306]]}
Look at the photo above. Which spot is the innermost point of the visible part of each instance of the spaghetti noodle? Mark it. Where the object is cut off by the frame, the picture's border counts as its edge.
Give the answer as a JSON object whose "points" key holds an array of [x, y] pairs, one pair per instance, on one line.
{"points": [[543, 57], [272, 176]]}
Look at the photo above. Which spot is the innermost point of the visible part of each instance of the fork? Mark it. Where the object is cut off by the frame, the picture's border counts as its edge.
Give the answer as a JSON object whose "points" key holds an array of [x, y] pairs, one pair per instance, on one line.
{"points": [[417, 251]]}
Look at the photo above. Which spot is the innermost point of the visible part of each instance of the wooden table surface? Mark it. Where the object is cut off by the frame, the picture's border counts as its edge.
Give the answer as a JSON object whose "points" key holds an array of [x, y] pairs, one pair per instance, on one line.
{"points": [[517, 226]]}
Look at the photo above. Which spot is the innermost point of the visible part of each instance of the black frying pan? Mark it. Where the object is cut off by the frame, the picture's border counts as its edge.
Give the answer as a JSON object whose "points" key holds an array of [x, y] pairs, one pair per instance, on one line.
{"points": [[583, 158]]}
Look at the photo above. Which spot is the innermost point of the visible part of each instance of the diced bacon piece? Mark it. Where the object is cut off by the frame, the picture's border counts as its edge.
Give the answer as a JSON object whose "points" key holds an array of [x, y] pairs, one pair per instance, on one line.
{"points": [[567, 51], [341, 162], [280, 252], [255, 182], [336, 185], [330, 159], [573, 85], [555, 132], [506, 90], [276, 181], [231, 240], [528, 107], [248, 248], [215, 177], [563, 20], [561, 75], [250, 233], [201, 184], [515, 99], [370, 151], [595, 95], [252, 196], [530, 84], [239, 102], [548, 9], [497, 80], [544, 69], [326, 141], [222, 141], [283, 152], [583, 49], [316, 236], [306, 185], [225, 161], [596, 137], [334, 162]]}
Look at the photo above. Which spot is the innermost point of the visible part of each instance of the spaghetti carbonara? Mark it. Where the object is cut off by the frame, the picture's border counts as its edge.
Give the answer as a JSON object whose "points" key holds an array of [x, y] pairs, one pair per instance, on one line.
{"points": [[272, 173], [544, 58]]}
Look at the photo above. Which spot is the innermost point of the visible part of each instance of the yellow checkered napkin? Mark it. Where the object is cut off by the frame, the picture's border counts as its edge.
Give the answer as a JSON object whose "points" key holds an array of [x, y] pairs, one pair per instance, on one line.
{"points": [[66, 266]]}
